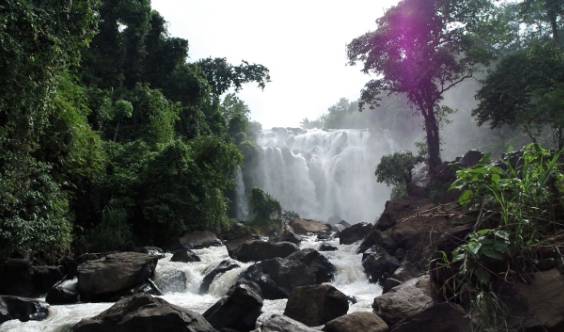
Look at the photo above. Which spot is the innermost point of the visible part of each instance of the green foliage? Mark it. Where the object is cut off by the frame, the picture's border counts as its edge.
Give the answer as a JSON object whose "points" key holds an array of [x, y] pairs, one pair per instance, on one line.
{"points": [[395, 170], [112, 233], [264, 208], [34, 215], [222, 76], [518, 204]]}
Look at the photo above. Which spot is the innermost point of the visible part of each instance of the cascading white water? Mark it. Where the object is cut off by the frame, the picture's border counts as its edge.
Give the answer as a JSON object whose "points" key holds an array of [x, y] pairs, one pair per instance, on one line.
{"points": [[326, 175], [349, 278]]}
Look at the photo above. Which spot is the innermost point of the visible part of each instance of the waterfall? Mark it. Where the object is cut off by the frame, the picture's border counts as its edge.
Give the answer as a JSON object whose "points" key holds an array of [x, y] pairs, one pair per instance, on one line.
{"points": [[326, 175], [241, 201]]}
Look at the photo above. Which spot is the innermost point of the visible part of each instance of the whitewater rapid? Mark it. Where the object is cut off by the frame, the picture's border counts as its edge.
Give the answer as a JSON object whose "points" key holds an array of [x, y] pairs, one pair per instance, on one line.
{"points": [[326, 175], [349, 279]]}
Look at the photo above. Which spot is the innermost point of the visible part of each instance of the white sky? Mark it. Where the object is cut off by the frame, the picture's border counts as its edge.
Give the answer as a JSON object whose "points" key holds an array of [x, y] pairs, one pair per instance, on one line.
{"points": [[303, 43]]}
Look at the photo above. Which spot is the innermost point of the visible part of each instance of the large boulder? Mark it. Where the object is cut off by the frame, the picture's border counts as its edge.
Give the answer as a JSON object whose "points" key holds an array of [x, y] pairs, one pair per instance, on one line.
{"points": [[379, 265], [287, 235], [308, 226], [221, 268], [238, 310], [440, 317], [327, 247], [404, 301], [257, 250], [317, 304], [17, 277], [109, 277], [144, 313], [357, 322], [279, 323], [354, 233], [45, 276], [185, 256], [198, 239], [24, 309], [277, 277], [63, 292]]}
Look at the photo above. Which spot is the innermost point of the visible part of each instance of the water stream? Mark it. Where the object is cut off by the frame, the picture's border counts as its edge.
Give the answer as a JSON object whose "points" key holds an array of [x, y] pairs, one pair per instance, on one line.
{"points": [[349, 278]]}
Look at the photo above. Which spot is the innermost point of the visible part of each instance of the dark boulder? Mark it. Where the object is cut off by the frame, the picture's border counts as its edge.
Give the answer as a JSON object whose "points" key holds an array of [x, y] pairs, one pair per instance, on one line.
{"points": [[279, 323], [378, 239], [24, 309], [220, 269], [327, 247], [17, 277], [340, 226], [151, 250], [185, 256], [199, 239], [171, 281], [471, 159], [257, 250], [45, 276], [107, 278], [238, 310], [404, 301], [390, 283], [277, 277], [308, 227], [379, 265], [354, 233], [357, 322], [63, 292], [440, 317], [288, 235], [317, 304], [144, 313]]}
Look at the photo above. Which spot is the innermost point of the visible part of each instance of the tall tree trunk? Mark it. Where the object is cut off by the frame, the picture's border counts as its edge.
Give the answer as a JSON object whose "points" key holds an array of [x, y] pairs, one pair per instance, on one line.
{"points": [[433, 141], [552, 7]]}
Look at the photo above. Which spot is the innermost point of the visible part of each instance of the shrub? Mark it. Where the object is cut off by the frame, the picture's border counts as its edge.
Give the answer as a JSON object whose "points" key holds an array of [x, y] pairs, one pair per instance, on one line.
{"points": [[395, 170]]}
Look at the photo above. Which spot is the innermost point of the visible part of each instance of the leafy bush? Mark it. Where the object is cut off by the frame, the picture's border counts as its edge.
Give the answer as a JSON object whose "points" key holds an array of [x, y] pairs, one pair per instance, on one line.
{"points": [[34, 213], [395, 170], [112, 233], [264, 208]]}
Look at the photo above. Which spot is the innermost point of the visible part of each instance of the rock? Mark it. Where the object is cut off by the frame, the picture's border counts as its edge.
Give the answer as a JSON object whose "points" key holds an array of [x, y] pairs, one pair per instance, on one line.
{"points": [[308, 226], [288, 235], [404, 301], [397, 209], [45, 276], [441, 317], [144, 313], [277, 277], [378, 239], [24, 309], [389, 283], [185, 256], [317, 304], [257, 250], [471, 159], [379, 265], [354, 233], [151, 250], [279, 323], [238, 310], [224, 266], [337, 227], [17, 277], [105, 278], [357, 322], [63, 292], [171, 281], [327, 247], [199, 239], [542, 302]]}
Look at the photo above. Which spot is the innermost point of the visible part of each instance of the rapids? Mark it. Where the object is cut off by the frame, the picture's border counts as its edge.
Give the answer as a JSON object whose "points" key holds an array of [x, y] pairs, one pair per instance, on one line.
{"points": [[349, 278]]}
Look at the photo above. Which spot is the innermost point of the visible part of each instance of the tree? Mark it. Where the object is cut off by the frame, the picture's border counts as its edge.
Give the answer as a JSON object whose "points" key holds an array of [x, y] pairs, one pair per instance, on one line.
{"points": [[395, 170], [222, 76], [421, 48]]}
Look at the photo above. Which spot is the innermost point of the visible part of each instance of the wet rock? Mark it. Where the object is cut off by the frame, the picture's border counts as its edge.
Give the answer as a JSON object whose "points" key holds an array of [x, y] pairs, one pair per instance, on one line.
{"points": [[279, 323], [288, 235], [45, 276], [327, 247], [17, 277], [107, 278], [471, 158], [171, 281], [356, 322], [238, 310], [317, 304], [390, 283], [144, 313], [220, 269], [63, 292], [404, 301], [257, 250], [378, 265], [340, 226], [378, 239], [237, 230], [24, 309], [151, 250], [185, 256], [308, 226], [199, 239], [354, 233], [277, 277], [440, 317]]}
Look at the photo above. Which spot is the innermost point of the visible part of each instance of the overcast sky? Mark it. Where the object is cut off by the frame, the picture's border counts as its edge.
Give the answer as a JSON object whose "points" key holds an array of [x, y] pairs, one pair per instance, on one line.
{"points": [[302, 42]]}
